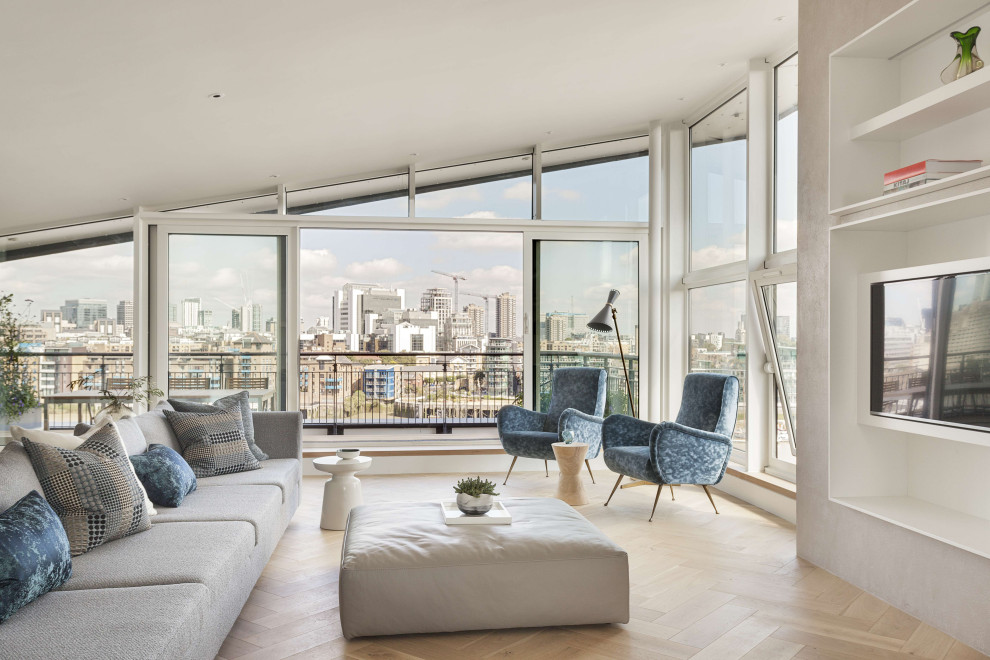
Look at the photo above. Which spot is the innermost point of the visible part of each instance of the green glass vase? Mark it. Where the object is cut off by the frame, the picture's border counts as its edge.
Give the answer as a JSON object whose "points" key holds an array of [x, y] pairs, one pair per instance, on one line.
{"points": [[966, 60]]}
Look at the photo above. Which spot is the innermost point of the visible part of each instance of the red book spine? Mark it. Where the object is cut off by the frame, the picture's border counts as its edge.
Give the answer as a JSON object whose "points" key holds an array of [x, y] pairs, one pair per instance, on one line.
{"points": [[905, 172]]}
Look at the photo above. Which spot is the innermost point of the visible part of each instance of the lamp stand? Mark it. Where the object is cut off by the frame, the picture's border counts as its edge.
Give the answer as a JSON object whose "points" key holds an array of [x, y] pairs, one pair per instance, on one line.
{"points": [[618, 338]]}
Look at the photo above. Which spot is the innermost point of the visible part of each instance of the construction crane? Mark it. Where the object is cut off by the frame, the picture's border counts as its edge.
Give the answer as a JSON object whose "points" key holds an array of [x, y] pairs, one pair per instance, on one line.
{"points": [[486, 297], [456, 278]]}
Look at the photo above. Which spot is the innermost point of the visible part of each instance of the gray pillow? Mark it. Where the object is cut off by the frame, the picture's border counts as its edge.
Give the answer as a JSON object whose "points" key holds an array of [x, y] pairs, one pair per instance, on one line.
{"points": [[241, 402], [212, 443]]}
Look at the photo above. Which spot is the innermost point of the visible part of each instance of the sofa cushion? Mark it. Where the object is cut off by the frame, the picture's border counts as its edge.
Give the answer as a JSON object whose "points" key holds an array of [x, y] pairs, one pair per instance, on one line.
{"points": [[156, 429], [240, 402], [165, 475], [53, 438], [282, 472], [93, 489], [168, 553], [152, 623], [34, 553], [213, 443], [530, 444], [259, 505], [17, 477]]}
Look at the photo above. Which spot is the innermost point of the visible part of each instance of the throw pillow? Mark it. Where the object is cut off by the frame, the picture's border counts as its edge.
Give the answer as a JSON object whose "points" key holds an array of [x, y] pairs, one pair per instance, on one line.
{"points": [[93, 489], [34, 553], [212, 443], [165, 475], [240, 401]]}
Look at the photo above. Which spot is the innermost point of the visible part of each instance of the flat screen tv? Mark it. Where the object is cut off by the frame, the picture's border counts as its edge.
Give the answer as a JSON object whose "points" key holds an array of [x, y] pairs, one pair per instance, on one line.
{"points": [[930, 349]]}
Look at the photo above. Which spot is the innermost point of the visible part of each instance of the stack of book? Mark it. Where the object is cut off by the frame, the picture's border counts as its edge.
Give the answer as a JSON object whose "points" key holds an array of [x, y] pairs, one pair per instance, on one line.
{"points": [[925, 172]]}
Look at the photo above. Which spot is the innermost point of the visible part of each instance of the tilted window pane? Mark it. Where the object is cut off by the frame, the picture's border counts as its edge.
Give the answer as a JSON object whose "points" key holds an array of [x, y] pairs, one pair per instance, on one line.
{"points": [[573, 283], [785, 156], [499, 188], [386, 196], [718, 186], [717, 329], [258, 204], [597, 182], [225, 316], [781, 305]]}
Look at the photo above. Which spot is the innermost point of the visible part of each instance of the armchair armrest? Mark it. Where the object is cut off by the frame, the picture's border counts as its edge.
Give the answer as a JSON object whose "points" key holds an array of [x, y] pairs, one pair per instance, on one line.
{"points": [[587, 428], [685, 455], [513, 418], [625, 431]]}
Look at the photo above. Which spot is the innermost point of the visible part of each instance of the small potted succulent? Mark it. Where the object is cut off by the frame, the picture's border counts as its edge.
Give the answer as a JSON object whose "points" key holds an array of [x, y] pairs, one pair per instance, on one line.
{"points": [[475, 496]]}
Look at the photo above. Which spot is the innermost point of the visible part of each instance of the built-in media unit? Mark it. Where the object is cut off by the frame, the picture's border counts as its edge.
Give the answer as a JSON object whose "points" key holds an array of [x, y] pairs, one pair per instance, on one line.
{"points": [[930, 349]]}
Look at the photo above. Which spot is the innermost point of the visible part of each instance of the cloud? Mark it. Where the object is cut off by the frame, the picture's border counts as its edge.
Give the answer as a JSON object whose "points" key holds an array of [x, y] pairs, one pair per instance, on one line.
{"points": [[521, 191], [714, 255], [490, 215], [378, 270], [478, 240], [565, 194], [439, 199], [322, 260]]}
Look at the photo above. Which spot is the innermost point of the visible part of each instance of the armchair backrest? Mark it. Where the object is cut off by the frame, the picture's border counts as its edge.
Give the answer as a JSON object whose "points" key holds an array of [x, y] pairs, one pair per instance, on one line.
{"points": [[581, 388], [710, 403]]}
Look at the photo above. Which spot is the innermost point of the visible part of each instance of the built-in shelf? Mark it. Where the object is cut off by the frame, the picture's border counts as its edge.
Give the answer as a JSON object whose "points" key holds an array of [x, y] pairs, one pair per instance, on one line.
{"points": [[928, 214], [944, 105], [981, 173], [947, 525]]}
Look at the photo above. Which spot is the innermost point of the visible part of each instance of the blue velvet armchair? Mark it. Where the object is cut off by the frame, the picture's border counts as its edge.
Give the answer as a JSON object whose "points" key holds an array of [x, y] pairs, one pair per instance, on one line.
{"points": [[693, 450], [577, 403]]}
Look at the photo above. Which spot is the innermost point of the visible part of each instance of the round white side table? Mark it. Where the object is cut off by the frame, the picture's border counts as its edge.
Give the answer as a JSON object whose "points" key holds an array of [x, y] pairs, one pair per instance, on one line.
{"points": [[342, 491]]}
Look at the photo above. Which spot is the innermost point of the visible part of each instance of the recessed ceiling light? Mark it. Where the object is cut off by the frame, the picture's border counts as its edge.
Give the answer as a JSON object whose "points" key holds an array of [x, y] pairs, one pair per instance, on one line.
{"points": [[549, 132], [780, 18], [216, 95], [680, 98], [123, 199], [414, 154], [272, 176], [721, 64], [11, 238]]}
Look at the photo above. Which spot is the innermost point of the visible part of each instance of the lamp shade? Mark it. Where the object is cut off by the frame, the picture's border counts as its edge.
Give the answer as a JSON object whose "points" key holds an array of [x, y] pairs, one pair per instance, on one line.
{"points": [[602, 322]]}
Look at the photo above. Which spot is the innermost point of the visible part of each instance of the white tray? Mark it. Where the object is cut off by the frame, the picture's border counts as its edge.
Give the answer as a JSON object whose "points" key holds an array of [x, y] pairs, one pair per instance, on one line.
{"points": [[499, 515]]}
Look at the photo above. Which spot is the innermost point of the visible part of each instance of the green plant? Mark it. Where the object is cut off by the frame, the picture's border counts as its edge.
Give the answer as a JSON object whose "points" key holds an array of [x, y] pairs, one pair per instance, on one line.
{"points": [[17, 393], [137, 390], [475, 487]]}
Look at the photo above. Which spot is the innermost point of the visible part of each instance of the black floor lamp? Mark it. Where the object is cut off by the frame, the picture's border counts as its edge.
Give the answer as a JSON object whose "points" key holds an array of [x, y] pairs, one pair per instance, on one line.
{"points": [[606, 321]]}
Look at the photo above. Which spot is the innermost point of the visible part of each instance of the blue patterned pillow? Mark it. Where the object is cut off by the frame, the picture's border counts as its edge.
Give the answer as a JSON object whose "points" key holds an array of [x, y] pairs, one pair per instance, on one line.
{"points": [[164, 474], [34, 553]]}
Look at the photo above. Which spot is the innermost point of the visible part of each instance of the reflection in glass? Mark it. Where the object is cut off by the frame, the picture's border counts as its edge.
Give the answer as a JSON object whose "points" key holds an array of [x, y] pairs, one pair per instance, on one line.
{"points": [[225, 318], [718, 186], [598, 182], [935, 359], [785, 155], [573, 279], [499, 188], [384, 196], [781, 302], [717, 329]]}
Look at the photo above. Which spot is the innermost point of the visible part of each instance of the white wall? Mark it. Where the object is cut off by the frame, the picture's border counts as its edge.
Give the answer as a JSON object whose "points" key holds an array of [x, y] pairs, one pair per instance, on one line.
{"points": [[942, 585]]}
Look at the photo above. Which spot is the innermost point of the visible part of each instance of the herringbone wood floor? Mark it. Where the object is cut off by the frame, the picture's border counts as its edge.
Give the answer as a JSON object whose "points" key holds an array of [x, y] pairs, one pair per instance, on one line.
{"points": [[703, 587]]}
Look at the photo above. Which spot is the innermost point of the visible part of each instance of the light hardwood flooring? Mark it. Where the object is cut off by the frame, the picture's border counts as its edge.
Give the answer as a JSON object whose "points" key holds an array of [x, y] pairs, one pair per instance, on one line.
{"points": [[703, 587]]}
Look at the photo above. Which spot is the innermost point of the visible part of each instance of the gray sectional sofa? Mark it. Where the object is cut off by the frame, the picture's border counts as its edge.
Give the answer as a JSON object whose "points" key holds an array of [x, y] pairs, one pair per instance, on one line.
{"points": [[175, 590]]}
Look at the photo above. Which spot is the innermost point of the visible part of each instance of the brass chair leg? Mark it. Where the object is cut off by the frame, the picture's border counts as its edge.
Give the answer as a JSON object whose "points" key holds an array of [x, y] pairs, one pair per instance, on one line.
{"points": [[708, 493], [614, 488], [655, 500], [589, 470], [672, 498], [510, 470], [546, 466]]}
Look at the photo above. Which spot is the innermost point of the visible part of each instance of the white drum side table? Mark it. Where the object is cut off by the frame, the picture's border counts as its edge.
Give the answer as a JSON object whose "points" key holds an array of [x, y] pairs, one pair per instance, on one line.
{"points": [[342, 491]]}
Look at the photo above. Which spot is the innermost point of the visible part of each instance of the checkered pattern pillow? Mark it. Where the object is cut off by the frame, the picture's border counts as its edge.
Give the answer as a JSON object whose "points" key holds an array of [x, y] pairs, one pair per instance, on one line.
{"points": [[92, 489], [212, 443]]}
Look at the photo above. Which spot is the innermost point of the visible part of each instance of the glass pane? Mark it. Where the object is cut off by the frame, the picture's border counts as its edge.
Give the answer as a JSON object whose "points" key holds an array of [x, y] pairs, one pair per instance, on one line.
{"points": [[785, 156], [717, 328], [73, 294], [225, 315], [501, 188], [260, 204], [389, 337], [781, 301], [718, 186], [386, 196], [572, 285], [604, 181], [782, 450]]}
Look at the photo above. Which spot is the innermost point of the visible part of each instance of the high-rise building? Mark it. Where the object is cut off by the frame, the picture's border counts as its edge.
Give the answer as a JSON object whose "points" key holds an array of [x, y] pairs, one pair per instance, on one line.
{"points": [[437, 300], [125, 314], [505, 315], [557, 327], [52, 317], [355, 302], [235, 319], [206, 318], [476, 313], [83, 311], [173, 313], [257, 318], [189, 308]]}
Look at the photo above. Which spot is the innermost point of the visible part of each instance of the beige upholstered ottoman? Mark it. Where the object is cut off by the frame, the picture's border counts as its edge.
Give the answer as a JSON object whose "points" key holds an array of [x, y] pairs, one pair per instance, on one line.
{"points": [[404, 571]]}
